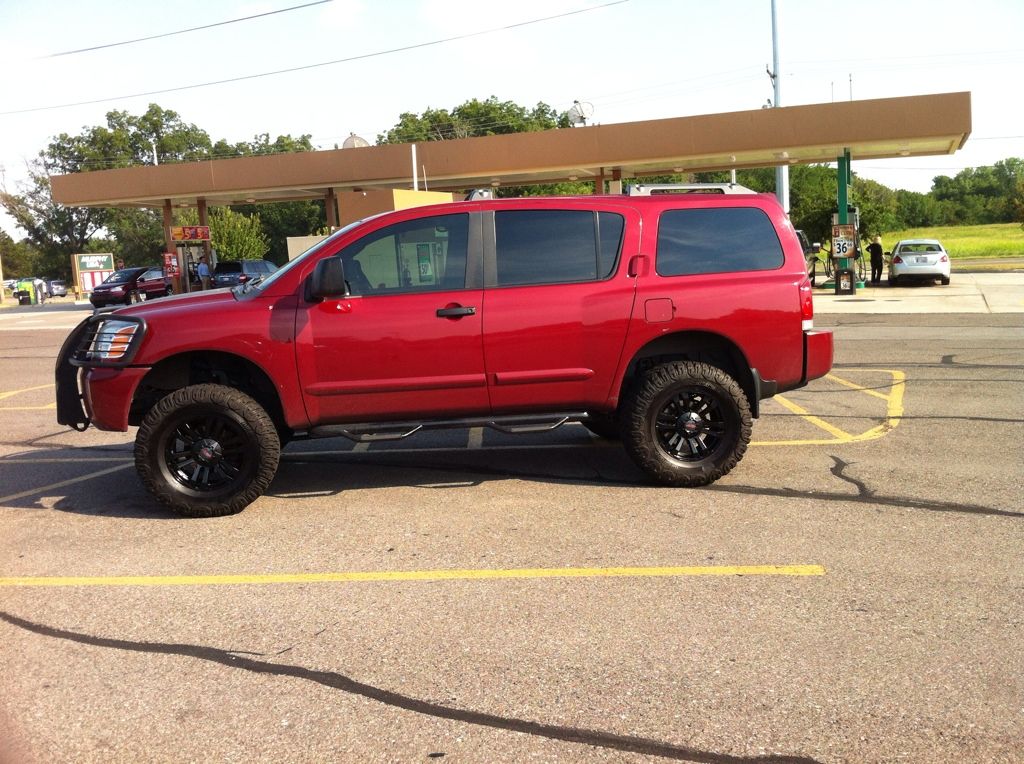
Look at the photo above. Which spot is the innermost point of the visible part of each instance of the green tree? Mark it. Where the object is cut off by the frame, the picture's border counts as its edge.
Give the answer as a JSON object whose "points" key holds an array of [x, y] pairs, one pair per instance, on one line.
{"points": [[471, 119], [233, 235], [282, 219], [20, 259], [476, 118], [54, 231]]}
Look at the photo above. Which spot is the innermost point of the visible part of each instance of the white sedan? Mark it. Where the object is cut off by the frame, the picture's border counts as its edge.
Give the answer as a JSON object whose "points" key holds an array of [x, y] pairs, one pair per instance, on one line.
{"points": [[918, 259]]}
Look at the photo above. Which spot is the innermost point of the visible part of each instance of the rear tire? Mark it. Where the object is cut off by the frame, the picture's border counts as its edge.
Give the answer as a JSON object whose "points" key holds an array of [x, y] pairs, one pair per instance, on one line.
{"points": [[207, 451], [893, 280], [944, 280], [686, 423]]}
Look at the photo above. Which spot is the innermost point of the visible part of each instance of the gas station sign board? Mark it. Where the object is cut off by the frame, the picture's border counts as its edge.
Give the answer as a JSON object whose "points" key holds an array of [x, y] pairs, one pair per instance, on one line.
{"points": [[190, 233], [90, 270]]}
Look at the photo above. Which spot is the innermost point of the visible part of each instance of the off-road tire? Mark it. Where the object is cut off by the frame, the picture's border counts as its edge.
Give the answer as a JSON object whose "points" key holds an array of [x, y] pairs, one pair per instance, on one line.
{"points": [[686, 423], [207, 451]]}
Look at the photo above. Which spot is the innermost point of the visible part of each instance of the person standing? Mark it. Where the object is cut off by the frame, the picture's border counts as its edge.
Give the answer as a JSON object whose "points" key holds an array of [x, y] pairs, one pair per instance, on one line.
{"points": [[875, 250], [204, 272]]}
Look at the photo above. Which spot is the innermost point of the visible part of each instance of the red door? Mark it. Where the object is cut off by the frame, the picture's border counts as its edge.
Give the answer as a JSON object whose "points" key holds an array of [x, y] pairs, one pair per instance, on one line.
{"points": [[557, 305], [407, 344]]}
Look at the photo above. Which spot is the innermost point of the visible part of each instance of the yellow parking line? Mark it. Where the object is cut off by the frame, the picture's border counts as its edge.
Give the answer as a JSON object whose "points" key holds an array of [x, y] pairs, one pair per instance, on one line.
{"points": [[29, 408], [839, 434], [417, 575], [62, 483], [855, 386], [893, 414], [12, 393]]}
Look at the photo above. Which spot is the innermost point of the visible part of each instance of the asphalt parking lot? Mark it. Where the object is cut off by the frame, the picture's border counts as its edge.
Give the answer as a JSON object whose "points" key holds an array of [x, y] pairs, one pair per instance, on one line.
{"points": [[851, 592]]}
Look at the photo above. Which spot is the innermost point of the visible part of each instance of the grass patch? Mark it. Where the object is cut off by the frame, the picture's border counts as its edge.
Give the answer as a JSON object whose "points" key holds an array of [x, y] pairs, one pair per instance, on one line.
{"points": [[1001, 240]]}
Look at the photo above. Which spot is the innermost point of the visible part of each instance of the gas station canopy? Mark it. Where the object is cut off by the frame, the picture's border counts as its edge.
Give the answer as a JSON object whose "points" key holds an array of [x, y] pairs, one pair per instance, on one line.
{"points": [[819, 133]]}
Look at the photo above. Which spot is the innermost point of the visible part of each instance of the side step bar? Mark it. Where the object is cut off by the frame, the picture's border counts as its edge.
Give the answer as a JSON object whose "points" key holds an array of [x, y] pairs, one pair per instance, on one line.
{"points": [[371, 432]]}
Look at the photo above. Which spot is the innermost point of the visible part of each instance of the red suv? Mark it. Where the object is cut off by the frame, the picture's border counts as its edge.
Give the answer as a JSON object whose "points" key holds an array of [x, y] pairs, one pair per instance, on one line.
{"points": [[663, 321]]}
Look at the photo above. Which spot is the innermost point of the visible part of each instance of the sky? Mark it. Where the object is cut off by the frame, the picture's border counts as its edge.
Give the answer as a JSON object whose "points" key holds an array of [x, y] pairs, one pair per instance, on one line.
{"points": [[631, 59]]}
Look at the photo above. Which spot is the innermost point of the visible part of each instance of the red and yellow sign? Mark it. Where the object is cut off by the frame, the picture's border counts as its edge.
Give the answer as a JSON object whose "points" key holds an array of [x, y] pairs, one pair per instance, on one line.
{"points": [[190, 233]]}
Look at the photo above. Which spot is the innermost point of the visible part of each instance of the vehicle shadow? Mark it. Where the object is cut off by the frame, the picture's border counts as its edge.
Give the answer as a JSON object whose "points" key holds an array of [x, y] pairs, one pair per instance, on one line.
{"points": [[110, 488]]}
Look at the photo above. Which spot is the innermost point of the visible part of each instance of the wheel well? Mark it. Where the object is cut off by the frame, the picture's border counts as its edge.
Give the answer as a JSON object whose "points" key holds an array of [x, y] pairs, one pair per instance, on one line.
{"points": [[201, 367], [712, 349]]}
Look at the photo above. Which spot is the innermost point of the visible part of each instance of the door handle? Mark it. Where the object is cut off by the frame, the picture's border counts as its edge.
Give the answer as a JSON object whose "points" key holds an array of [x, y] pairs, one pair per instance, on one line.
{"points": [[455, 312]]}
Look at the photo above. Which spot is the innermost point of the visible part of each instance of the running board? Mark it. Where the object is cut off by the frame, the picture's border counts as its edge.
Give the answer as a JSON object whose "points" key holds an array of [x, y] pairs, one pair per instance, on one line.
{"points": [[372, 432]]}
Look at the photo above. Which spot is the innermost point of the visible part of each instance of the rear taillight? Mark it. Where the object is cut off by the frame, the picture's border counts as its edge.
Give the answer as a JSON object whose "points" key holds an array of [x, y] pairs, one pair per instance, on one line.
{"points": [[943, 259], [897, 259], [806, 304], [242, 279]]}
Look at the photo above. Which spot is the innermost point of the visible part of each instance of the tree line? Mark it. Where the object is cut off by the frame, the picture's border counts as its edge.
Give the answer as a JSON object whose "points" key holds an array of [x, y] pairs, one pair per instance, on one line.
{"points": [[975, 196]]}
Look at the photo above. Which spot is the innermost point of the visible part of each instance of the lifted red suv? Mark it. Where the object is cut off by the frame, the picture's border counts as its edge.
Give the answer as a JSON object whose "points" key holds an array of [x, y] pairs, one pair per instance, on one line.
{"points": [[660, 320]]}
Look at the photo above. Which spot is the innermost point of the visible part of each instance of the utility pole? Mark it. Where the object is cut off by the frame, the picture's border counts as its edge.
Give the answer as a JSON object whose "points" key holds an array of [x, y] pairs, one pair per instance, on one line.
{"points": [[782, 171]]}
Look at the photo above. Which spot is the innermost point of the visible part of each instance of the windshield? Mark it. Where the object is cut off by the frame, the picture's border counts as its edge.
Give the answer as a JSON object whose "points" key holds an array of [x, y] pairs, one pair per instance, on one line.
{"points": [[268, 280], [119, 277]]}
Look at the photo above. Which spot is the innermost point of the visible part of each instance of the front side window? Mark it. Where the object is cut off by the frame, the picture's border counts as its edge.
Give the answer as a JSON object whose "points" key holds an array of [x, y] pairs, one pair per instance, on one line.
{"points": [[717, 240], [555, 246], [428, 254]]}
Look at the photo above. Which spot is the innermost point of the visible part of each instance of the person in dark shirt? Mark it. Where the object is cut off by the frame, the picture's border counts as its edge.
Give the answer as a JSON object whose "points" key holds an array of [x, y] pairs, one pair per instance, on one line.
{"points": [[875, 250]]}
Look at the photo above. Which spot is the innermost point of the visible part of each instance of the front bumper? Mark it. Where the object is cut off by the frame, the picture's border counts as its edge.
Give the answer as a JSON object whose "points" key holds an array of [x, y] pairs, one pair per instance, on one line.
{"points": [[101, 396]]}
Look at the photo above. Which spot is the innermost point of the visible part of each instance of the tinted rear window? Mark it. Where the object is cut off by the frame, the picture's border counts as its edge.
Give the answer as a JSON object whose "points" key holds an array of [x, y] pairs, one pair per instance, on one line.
{"points": [[230, 267], [717, 240]]}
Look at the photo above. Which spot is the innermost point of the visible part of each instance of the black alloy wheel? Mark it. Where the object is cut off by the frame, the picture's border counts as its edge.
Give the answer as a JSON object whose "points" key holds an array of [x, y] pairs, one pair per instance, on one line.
{"points": [[691, 425], [686, 423], [207, 450]]}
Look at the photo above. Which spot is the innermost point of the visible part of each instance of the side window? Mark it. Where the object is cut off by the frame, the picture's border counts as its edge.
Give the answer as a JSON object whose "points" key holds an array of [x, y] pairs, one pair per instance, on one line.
{"points": [[716, 240], [555, 246], [428, 254]]}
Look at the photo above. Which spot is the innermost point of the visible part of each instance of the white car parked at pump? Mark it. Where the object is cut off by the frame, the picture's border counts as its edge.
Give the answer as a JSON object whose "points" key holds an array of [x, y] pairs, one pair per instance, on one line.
{"points": [[918, 259]]}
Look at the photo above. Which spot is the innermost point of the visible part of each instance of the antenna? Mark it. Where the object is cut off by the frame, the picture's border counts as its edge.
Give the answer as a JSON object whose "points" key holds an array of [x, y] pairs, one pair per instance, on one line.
{"points": [[579, 113]]}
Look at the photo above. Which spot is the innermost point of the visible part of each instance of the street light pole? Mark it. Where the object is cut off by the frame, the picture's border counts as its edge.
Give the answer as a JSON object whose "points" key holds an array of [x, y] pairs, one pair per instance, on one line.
{"points": [[782, 171]]}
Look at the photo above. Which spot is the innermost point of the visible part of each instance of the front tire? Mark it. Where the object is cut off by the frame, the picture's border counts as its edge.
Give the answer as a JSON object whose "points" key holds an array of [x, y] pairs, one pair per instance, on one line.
{"points": [[686, 424], [207, 451]]}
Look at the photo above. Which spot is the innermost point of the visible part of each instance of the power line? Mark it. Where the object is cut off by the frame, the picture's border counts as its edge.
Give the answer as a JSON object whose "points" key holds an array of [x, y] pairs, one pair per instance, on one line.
{"points": [[182, 31], [404, 48]]}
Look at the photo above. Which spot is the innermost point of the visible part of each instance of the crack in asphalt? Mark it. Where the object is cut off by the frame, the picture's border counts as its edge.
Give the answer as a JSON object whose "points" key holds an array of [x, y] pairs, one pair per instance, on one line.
{"points": [[238, 660]]}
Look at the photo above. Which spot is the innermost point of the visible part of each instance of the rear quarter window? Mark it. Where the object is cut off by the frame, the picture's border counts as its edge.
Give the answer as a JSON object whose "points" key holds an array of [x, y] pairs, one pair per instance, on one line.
{"points": [[717, 240]]}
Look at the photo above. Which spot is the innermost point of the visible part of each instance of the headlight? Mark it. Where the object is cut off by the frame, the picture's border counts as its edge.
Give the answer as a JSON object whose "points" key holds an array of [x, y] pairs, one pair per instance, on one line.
{"points": [[113, 340]]}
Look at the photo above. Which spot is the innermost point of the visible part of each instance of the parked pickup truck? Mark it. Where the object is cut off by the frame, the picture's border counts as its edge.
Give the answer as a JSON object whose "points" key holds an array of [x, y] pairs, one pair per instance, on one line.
{"points": [[662, 321]]}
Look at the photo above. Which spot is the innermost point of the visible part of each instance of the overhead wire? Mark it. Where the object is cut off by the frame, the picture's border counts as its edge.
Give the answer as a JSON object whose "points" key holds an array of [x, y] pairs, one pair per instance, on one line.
{"points": [[306, 67], [182, 31]]}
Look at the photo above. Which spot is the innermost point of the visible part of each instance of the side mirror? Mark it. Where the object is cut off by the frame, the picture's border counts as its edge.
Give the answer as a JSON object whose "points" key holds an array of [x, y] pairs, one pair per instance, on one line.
{"points": [[328, 280]]}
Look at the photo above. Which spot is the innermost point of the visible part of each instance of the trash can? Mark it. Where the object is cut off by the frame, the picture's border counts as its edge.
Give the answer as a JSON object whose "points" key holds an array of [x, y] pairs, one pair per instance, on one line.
{"points": [[846, 281], [26, 292]]}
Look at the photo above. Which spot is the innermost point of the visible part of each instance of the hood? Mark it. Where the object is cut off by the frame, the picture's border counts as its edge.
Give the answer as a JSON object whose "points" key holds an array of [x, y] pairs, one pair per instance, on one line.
{"points": [[183, 304]]}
